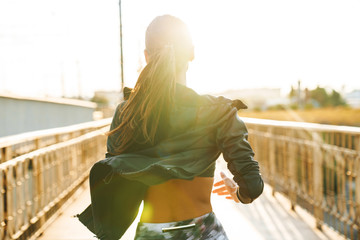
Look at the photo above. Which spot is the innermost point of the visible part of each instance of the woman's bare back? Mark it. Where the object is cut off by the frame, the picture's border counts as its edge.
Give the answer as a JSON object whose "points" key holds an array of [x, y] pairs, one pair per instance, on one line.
{"points": [[177, 200]]}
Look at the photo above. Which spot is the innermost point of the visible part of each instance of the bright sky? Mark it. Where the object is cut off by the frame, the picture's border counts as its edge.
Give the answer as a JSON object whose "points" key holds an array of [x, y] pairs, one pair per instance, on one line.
{"points": [[50, 47]]}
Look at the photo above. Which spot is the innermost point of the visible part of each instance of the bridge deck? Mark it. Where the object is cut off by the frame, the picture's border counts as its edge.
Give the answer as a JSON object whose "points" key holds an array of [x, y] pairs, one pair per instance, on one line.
{"points": [[268, 217]]}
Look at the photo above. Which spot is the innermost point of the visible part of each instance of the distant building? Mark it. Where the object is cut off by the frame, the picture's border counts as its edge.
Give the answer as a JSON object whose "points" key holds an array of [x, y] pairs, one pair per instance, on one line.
{"points": [[353, 98]]}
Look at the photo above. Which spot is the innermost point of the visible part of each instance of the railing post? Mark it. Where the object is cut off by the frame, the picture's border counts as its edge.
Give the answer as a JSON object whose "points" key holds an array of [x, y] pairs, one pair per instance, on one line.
{"points": [[20, 192], [36, 201], [357, 187], [27, 190], [6, 154], [10, 201], [271, 153], [2, 204], [292, 170], [318, 181]]}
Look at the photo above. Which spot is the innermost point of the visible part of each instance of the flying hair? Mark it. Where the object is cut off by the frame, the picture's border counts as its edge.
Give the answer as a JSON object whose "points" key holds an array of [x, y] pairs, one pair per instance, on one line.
{"points": [[168, 45]]}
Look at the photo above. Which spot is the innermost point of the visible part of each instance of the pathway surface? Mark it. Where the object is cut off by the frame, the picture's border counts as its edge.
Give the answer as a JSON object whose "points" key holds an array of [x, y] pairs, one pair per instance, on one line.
{"points": [[267, 218]]}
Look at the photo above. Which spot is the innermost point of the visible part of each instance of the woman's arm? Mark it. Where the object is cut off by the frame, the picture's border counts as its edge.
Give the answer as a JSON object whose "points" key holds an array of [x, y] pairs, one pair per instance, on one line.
{"points": [[232, 140]]}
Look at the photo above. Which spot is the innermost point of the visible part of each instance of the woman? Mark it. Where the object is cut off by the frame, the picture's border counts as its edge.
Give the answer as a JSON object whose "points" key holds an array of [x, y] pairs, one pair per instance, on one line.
{"points": [[162, 147]]}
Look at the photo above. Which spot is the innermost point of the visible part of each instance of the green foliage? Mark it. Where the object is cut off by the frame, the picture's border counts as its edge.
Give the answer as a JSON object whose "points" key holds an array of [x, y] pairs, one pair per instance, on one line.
{"points": [[335, 99], [324, 99], [320, 95], [257, 109], [100, 100], [292, 93], [277, 107], [308, 106], [294, 106]]}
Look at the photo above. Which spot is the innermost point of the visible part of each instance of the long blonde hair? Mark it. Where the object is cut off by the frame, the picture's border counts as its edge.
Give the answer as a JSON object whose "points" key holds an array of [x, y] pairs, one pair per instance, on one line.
{"points": [[169, 46]]}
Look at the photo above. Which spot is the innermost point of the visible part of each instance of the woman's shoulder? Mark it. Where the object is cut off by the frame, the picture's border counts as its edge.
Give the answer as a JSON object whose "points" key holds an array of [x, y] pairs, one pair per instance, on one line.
{"points": [[118, 109]]}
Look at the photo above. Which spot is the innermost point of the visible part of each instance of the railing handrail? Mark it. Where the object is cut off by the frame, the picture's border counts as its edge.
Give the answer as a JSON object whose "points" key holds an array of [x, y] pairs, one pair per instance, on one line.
{"points": [[30, 136], [70, 142], [303, 125]]}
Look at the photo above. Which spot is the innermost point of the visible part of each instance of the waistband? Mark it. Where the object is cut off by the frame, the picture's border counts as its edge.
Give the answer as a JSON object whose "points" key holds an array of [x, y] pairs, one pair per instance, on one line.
{"points": [[204, 227], [180, 225]]}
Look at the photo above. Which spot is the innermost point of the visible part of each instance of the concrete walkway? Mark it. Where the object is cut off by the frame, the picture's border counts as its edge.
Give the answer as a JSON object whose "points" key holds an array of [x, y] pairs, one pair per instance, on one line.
{"points": [[267, 218]]}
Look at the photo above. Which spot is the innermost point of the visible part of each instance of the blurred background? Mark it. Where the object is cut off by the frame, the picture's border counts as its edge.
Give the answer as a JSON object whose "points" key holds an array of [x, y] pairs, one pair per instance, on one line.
{"points": [[285, 60]]}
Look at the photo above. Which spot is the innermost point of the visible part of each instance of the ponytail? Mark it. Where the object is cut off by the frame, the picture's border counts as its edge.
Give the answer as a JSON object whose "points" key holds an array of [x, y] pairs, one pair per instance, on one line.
{"points": [[151, 100]]}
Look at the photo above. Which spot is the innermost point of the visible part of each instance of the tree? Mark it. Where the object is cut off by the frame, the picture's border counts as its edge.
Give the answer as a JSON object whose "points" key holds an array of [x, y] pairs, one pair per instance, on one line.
{"points": [[320, 95], [293, 92], [335, 99], [324, 99]]}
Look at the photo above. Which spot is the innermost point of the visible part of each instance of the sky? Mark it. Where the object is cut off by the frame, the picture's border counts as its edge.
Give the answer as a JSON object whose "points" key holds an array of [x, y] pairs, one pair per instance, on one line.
{"points": [[71, 47]]}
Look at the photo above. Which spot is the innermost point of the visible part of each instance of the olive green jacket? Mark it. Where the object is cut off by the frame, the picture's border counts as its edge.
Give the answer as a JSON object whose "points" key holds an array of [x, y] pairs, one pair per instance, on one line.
{"points": [[201, 127]]}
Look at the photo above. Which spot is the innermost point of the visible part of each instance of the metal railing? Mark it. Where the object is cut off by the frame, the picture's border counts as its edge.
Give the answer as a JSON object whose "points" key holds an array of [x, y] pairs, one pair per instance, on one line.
{"points": [[17, 145], [36, 184], [317, 166]]}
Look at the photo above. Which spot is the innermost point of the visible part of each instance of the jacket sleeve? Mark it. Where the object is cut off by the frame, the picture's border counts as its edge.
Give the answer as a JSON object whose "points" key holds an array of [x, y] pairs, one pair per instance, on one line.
{"points": [[232, 139], [111, 141]]}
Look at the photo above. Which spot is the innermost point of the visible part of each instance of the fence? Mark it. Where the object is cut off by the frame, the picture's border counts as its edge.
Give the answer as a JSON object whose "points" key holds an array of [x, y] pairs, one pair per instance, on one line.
{"points": [[316, 166], [34, 185], [17, 145]]}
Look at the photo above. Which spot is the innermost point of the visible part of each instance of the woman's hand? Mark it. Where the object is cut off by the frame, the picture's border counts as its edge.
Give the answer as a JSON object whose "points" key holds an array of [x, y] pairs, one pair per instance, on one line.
{"points": [[227, 187]]}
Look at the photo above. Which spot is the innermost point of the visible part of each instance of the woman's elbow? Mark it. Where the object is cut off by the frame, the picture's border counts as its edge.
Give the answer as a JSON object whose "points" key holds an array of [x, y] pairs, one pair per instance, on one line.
{"points": [[258, 189]]}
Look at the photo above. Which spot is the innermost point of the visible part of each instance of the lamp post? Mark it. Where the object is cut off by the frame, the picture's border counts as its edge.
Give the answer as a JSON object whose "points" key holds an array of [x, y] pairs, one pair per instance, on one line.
{"points": [[121, 49]]}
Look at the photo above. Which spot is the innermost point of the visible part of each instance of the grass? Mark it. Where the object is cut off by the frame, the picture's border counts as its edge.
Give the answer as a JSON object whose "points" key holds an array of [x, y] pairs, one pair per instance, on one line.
{"points": [[333, 116]]}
